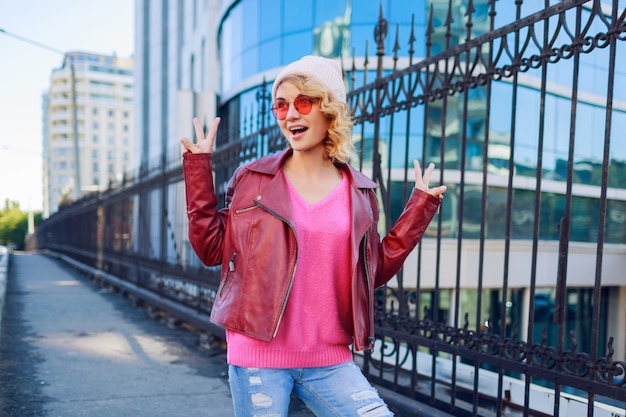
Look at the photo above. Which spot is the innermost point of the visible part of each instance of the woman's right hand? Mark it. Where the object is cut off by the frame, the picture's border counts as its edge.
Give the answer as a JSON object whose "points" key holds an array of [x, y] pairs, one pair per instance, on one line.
{"points": [[203, 144]]}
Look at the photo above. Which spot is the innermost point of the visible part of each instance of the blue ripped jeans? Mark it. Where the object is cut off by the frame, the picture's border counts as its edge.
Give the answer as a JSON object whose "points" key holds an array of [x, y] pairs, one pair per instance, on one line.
{"points": [[331, 391]]}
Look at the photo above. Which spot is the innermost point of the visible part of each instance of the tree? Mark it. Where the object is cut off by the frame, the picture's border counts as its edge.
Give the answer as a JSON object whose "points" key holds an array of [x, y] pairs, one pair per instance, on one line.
{"points": [[14, 224]]}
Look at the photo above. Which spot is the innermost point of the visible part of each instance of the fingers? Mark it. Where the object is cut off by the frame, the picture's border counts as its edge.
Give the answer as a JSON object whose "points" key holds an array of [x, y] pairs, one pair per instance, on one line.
{"points": [[438, 191], [204, 144], [188, 146], [429, 171], [421, 182], [418, 171], [199, 131], [213, 130]]}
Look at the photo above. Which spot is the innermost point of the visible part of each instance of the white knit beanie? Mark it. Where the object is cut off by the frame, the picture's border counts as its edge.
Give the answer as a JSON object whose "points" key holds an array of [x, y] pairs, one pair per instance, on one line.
{"points": [[325, 70]]}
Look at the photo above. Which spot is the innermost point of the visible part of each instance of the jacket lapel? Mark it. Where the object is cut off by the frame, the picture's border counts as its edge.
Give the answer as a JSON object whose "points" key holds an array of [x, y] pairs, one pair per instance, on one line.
{"points": [[272, 195], [275, 197]]}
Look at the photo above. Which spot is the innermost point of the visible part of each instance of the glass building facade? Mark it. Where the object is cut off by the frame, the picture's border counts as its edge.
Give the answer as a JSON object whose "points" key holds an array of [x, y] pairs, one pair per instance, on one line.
{"points": [[259, 37], [279, 31]]}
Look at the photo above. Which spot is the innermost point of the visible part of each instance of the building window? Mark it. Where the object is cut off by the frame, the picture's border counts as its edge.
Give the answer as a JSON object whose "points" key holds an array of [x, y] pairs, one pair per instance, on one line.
{"points": [[95, 125], [111, 113], [579, 313], [95, 167], [111, 140], [95, 138]]}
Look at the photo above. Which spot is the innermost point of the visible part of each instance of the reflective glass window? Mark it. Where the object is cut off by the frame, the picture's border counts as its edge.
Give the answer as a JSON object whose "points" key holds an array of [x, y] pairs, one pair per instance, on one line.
{"points": [[293, 47], [330, 11], [297, 15], [579, 317], [327, 28], [270, 15]]}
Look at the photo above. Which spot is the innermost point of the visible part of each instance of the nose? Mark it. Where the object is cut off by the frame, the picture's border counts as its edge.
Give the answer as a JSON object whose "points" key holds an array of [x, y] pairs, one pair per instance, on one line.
{"points": [[292, 113]]}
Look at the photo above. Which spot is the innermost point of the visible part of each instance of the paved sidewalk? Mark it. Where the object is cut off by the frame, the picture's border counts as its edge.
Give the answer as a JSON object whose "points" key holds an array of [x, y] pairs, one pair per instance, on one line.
{"points": [[72, 349]]}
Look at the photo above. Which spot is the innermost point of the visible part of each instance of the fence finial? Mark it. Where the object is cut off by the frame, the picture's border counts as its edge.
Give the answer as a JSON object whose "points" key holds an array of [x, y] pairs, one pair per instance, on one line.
{"points": [[429, 31], [469, 13], [380, 32]]}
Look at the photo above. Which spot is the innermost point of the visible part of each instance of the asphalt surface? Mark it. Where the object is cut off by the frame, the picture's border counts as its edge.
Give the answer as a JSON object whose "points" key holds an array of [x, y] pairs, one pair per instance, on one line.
{"points": [[70, 348]]}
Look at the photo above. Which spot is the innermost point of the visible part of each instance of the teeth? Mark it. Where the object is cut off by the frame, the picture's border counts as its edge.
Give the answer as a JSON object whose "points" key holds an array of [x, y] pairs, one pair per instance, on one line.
{"points": [[297, 129]]}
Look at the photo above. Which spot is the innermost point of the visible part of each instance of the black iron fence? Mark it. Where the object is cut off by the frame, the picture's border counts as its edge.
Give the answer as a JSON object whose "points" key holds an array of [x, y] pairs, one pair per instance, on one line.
{"points": [[514, 301]]}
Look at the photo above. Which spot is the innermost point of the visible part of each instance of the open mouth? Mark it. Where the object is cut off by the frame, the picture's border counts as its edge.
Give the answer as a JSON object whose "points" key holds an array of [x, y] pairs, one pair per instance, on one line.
{"points": [[298, 130]]}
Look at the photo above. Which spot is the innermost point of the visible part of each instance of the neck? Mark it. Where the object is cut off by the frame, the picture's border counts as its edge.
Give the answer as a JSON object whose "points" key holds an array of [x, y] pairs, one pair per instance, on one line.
{"points": [[312, 166]]}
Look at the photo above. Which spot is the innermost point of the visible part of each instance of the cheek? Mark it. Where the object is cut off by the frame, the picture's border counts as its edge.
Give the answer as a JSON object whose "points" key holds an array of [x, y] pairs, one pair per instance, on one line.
{"points": [[283, 127], [324, 125]]}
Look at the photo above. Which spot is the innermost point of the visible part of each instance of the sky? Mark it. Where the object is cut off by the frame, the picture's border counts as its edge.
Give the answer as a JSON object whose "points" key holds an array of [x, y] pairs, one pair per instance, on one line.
{"points": [[100, 26]]}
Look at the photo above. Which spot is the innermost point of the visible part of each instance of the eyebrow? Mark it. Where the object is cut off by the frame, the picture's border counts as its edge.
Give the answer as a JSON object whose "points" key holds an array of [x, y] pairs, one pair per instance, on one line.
{"points": [[299, 95]]}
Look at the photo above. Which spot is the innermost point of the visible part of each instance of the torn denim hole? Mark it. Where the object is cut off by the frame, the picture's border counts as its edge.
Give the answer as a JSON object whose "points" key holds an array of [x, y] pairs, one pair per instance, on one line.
{"points": [[364, 395], [261, 400], [254, 380], [253, 376], [376, 408]]}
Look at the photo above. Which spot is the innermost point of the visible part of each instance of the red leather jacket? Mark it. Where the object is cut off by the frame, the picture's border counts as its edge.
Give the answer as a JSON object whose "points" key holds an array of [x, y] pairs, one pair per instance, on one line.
{"points": [[253, 238]]}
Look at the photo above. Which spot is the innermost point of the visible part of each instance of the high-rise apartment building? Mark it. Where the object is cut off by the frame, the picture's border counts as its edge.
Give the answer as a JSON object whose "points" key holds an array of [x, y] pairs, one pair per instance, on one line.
{"points": [[88, 125]]}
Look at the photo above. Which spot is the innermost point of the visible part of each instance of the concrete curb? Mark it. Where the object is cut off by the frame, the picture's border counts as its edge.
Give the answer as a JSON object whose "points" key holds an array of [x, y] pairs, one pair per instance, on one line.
{"points": [[5, 254]]}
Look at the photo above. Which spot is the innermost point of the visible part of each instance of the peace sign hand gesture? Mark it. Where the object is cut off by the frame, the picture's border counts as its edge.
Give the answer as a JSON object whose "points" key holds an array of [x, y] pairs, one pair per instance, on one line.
{"points": [[422, 183], [204, 144]]}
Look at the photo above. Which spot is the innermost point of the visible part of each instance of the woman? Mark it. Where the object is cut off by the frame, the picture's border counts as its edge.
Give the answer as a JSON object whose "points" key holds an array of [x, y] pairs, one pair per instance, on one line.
{"points": [[300, 252]]}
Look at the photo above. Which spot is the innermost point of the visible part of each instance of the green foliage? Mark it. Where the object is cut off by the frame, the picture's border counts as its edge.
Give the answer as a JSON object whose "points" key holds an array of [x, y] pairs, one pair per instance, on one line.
{"points": [[14, 224]]}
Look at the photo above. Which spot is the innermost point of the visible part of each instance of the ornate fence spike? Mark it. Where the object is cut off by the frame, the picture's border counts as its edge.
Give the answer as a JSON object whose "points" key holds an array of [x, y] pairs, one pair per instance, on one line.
{"points": [[469, 13], [380, 32], [412, 40], [396, 47], [448, 24], [430, 30]]}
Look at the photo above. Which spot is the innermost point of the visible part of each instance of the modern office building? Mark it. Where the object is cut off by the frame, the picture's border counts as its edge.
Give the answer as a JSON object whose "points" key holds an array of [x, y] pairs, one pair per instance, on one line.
{"points": [[198, 56], [88, 127]]}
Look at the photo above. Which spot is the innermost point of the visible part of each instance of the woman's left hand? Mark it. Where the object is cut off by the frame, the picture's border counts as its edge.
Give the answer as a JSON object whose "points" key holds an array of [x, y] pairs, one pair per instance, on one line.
{"points": [[421, 183]]}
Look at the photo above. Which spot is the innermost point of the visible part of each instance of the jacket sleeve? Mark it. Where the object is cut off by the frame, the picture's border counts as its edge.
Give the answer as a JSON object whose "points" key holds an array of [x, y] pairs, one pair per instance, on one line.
{"points": [[206, 223], [405, 234]]}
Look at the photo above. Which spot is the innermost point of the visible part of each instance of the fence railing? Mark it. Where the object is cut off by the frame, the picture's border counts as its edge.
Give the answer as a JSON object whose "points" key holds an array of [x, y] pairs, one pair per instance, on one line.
{"points": [[511, 303]]}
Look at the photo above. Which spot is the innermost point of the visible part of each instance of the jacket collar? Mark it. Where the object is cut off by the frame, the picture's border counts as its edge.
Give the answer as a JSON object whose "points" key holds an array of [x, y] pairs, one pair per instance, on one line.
{"points": [[272, 196], [271, 165]]}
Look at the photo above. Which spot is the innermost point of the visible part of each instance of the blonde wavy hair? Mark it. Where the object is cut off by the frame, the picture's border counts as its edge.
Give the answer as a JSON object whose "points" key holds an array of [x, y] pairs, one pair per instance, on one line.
{"points": [[338, 142]]}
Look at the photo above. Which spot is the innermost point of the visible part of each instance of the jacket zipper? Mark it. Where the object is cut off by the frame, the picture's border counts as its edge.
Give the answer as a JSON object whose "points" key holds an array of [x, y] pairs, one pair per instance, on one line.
{"points": [[243, 210], [231, 268], [370, 337], [293, 274]]}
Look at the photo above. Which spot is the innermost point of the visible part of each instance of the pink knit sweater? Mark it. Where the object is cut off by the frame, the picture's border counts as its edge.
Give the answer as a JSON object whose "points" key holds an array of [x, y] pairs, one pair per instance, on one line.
{"points": [[316, 328]]}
